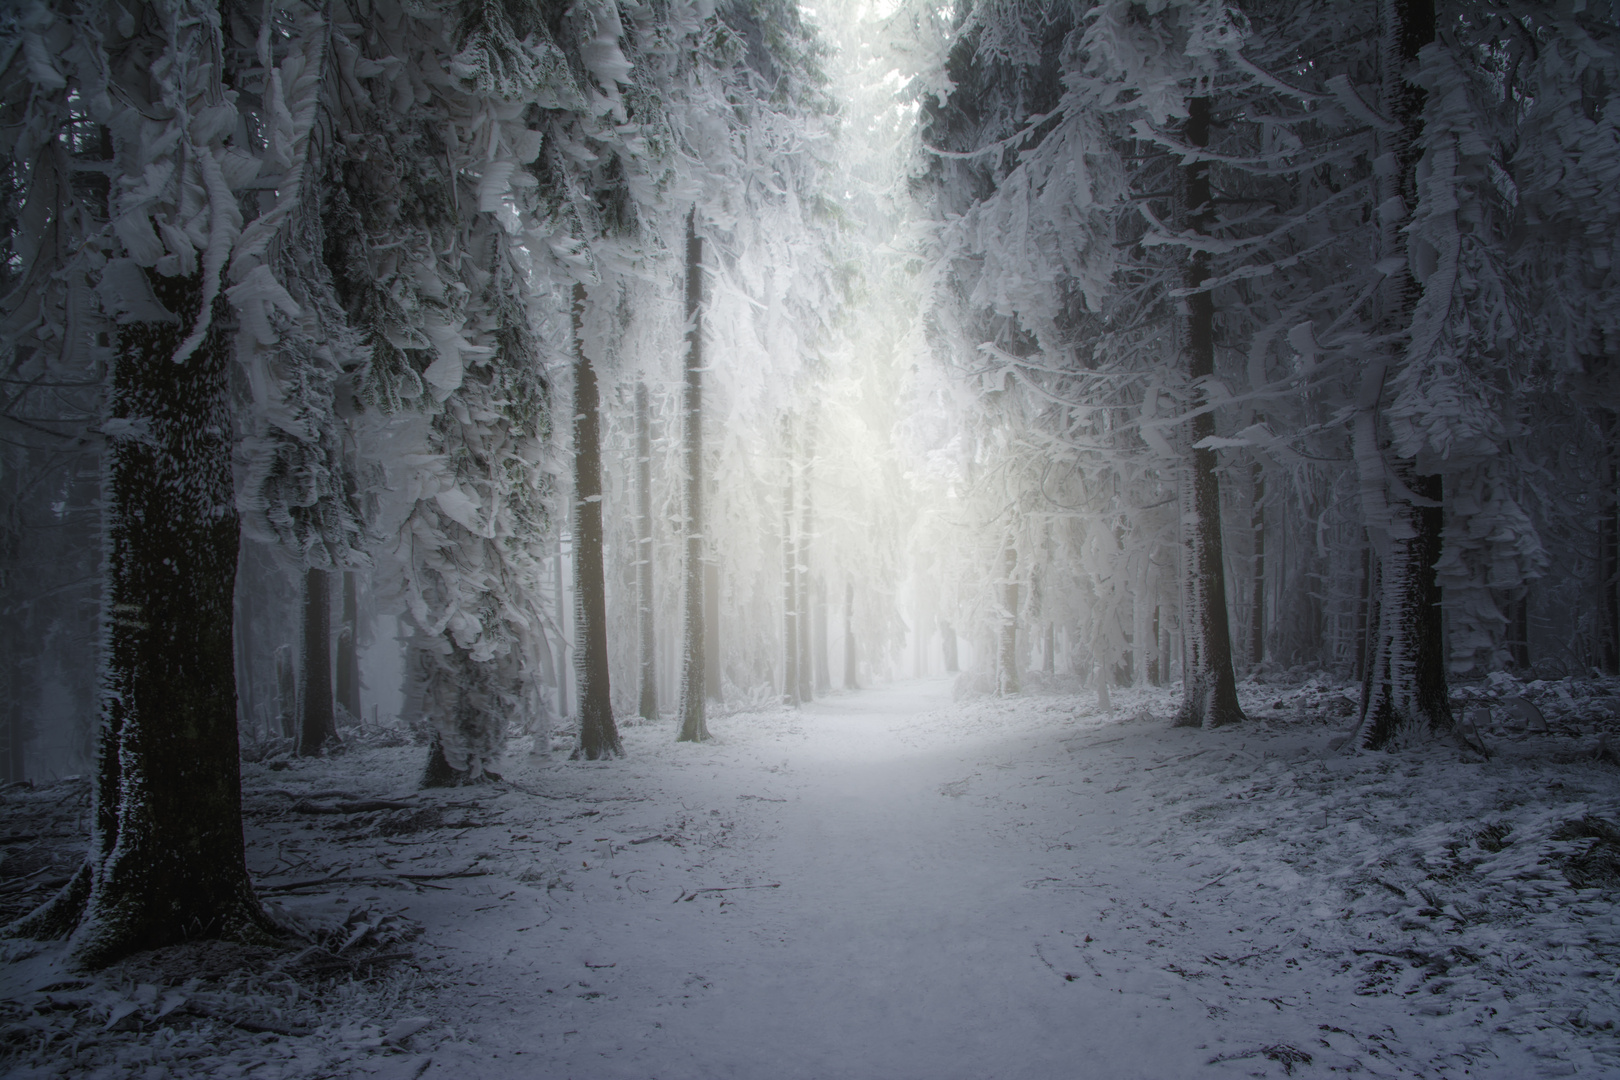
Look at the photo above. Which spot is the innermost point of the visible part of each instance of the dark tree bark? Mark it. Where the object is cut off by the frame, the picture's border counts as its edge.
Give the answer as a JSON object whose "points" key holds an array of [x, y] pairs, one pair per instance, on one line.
{"points": [[1160, 660], [694, 670], [851, 681], [317, 727], [1405, 685], [1209, 689], [1519, 630], [790, 578], [1007, 651], [644, 558], [598, 734], [1364, 608], [947, 638], [166, 858], [348, 649]]}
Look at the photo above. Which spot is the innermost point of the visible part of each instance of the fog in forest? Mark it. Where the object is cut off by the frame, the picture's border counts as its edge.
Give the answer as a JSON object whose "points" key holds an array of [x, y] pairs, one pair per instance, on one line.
{"points": [[1089, 532]]}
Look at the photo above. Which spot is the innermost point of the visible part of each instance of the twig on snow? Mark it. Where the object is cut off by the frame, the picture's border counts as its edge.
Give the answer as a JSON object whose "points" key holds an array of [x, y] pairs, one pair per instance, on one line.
{"points": [[724, 888]]}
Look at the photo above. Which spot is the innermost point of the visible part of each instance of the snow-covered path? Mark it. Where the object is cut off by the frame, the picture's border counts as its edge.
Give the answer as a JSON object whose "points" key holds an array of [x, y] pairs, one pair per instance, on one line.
{"points": [[903, 937], [915, 889]]}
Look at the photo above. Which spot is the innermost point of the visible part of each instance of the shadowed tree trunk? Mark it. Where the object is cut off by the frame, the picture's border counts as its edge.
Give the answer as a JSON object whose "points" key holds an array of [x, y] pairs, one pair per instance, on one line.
{"points": [[598, 734], [166, 858], [644, 558], [790, 578], [1405, 685], [1156, 663], [1209, 689], [1609, 553], [694, 671], [348, 649], [1007, 651], [1519, 630], [317, 725], [286, 692], [1257, 602], [947, 640]]}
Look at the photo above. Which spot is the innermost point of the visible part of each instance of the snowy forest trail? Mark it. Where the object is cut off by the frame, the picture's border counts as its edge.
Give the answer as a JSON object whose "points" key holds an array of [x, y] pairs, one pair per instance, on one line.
{"points": [[886, 919], [889, 885]]}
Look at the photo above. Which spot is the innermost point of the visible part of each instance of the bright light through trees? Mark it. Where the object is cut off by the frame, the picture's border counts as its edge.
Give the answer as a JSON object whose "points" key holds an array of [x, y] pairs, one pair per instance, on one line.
{"points": [[598, 363]]}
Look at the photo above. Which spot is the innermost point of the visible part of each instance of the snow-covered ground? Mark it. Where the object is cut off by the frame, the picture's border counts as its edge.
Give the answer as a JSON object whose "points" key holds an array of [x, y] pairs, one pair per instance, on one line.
{"points": [[889, 884]]}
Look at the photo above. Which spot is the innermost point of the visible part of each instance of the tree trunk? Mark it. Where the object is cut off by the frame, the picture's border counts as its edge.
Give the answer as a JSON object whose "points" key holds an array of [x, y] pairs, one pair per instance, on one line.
{"points": [[317, 724], [1405, 686], [790, 576], [286, 692], [1156, 663], [563, 649], [1209, 693], [1609, 554], [823, 673], [711, 631], [851, 682], [1007, 651], [947, 639], [598, 734], [1257, 602], [166, 859], [348, 649], [1364, 609], [693, 669], [1519, 630], [807, 690], [644, 558]]}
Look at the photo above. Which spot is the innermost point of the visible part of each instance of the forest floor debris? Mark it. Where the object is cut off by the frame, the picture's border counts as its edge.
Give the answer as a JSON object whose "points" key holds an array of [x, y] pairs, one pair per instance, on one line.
{"points": [[892, 884]]}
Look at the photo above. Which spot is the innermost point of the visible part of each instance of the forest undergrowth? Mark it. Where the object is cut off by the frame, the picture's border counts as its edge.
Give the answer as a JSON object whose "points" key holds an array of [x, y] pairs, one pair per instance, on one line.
{"points": [[1474, 890]]}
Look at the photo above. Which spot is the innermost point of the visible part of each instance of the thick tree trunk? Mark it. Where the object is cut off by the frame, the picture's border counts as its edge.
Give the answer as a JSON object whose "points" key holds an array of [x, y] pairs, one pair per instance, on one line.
{"points": [[694, 670], [947, 638], [598, 734], [851, 681], [317, 724], [348, 649], [166, 858], [807, 689], [1209, 689], [1007, 645], [644, 558], [790, 576], [1405, 685]]}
